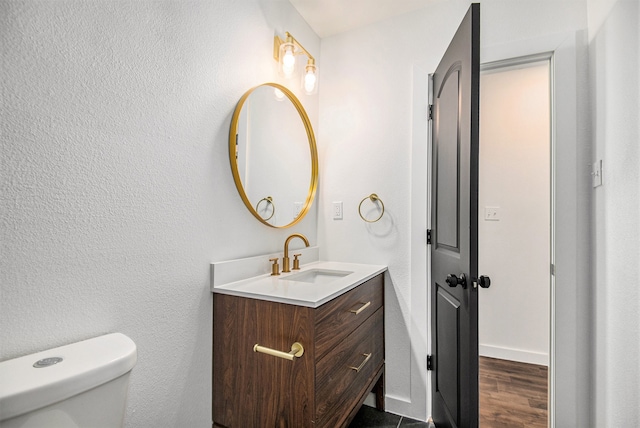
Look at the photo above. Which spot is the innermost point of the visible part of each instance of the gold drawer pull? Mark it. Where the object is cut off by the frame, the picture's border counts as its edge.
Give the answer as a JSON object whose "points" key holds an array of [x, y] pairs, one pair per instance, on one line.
{"points": [[357, 369], [362, 308], [296, 351]]}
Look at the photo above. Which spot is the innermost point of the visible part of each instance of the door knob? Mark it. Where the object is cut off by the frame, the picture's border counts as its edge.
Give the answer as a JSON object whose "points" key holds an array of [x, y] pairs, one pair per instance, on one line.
{"points": [[484, 281], [454, 281]]}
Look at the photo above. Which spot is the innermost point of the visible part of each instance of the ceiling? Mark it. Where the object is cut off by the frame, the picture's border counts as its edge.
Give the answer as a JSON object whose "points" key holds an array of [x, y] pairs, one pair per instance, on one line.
{"points": [[329, 17]]}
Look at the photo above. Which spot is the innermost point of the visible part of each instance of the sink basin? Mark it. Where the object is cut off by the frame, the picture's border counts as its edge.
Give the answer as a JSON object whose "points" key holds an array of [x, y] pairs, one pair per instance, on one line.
{"points": [[318, 276]]}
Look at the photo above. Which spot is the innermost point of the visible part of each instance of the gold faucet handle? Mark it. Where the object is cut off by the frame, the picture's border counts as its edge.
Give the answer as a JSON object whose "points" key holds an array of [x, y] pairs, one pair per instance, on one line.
{"points": [[296, 262], [275, 267]]}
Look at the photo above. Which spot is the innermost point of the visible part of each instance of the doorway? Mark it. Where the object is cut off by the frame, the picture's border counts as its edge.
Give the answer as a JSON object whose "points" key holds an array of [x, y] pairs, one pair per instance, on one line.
{"points": [[514, 235], [569, 363]]}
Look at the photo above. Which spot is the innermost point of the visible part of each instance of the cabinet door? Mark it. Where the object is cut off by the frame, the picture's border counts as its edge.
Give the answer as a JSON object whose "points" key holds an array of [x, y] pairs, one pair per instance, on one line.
{"points": [[252, 389], [336, 319], [348, 371]]}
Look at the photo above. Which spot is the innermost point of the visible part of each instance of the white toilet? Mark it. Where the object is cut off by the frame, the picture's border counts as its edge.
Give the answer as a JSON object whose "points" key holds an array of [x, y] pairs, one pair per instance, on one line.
{"points": [[79, 385]]}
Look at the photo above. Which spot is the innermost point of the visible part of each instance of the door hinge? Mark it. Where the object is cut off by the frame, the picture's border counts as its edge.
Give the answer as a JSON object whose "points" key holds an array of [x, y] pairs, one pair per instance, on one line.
{"points": [[430, 112], [429, 362], [428, 236], [553, 269]]}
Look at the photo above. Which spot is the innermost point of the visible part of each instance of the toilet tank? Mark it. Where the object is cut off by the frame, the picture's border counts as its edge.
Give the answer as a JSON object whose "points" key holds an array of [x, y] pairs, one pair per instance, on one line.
{"points": [[83, 384]]}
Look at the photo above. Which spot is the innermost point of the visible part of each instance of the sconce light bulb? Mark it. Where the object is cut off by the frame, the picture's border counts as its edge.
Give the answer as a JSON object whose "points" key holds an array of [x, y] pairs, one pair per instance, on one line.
{"points": [[310, 78], [288, 63], [309, 81]]}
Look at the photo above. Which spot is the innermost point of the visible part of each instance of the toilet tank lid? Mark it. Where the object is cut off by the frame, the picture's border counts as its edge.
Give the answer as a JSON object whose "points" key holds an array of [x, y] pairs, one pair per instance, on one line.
{"points": [[85, 365]]}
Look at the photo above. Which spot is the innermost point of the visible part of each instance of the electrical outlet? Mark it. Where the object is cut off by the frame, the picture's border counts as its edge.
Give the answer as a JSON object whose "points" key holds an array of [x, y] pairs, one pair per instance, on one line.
{"points": [[297, 207], [337, 210]]}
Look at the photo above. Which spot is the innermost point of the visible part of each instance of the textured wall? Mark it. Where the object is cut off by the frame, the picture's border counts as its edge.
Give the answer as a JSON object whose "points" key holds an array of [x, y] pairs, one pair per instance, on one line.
{"points": [[614, 56], [116, 189]]}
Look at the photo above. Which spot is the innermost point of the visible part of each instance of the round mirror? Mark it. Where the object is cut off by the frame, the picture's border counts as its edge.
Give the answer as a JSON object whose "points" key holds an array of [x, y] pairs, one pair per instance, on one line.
{"points": [[273, 155]]}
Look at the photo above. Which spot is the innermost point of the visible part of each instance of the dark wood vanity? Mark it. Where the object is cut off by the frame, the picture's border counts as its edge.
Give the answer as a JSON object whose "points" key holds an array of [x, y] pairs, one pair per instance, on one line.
{"points": [[343, 359]]}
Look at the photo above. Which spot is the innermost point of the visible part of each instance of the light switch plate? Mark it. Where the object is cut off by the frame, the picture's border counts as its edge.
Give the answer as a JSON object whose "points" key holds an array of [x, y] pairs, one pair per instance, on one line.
{"points": [[492, 213], [337, 210]]}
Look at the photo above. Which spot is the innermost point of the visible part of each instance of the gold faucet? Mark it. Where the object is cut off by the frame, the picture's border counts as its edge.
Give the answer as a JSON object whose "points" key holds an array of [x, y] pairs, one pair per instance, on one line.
{"points": [[285, 259]]}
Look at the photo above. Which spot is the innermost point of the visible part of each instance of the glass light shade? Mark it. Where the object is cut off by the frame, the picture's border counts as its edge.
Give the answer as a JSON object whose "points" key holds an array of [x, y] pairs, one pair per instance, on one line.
{"points": [[310, 79], [287, 59]]}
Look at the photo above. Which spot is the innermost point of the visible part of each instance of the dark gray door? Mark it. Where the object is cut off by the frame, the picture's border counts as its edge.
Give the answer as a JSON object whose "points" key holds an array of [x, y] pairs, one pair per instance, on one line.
{"points": [[454, 255]]}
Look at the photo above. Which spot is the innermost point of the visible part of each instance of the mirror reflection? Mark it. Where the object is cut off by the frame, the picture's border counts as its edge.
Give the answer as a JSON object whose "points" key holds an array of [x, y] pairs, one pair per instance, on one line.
{"points": [[273, 155]]}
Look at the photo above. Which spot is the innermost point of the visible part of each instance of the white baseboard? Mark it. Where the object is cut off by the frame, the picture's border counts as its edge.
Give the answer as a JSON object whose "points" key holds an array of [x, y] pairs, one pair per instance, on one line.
{"points": [[514, 355], [398, 406]]}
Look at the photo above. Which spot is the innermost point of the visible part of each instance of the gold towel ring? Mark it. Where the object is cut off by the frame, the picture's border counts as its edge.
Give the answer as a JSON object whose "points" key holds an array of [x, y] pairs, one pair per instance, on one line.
{"points": [[373, 197], [268, 200]]}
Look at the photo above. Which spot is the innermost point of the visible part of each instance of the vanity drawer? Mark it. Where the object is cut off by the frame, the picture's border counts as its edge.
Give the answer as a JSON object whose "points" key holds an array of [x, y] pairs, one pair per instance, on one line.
{"points": [[336, 319], [338, 385]]}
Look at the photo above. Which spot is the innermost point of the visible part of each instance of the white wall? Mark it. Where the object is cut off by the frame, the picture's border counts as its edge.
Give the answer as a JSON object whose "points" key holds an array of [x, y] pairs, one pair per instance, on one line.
{"points": [[614, 56], [514, 247], [366, 138], [116, 187]]}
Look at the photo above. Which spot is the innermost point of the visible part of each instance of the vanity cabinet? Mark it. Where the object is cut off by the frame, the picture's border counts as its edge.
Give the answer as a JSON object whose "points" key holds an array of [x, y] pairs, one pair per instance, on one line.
{"points": [[343, 359]]}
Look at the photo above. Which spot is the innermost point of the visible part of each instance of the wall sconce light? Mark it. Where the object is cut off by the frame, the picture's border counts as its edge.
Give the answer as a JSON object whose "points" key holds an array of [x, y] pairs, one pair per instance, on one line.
{"points": [[285, 52]]}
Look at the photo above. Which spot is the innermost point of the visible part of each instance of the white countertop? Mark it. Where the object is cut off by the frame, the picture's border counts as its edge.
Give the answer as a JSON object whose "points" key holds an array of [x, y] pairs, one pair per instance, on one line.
{"points": [[280, 289]]}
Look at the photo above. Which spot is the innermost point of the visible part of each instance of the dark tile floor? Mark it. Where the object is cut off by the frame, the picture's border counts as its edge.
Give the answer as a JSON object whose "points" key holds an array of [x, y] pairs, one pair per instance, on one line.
{"points": [[369, 417]]}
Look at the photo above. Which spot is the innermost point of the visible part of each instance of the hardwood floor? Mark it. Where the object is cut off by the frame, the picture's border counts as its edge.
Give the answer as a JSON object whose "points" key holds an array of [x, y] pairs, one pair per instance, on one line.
{"points": [[512, 394]]}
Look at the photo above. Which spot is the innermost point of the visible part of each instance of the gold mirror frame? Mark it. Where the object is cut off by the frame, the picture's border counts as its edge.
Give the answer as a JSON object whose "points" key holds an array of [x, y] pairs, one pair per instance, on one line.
{"points": [[233, 131]]}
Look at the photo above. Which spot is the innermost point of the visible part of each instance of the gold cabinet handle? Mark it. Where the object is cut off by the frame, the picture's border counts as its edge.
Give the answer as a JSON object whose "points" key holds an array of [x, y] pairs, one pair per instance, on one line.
{"points": [[357, 369], [362, 308], [296, 351]]}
